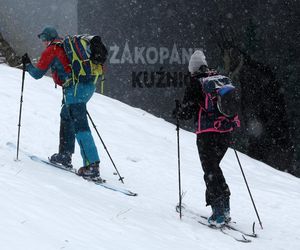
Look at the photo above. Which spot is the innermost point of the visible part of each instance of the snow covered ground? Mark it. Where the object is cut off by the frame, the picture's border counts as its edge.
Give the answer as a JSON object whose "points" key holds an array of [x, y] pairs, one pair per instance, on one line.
{"points": [[46, 208]]}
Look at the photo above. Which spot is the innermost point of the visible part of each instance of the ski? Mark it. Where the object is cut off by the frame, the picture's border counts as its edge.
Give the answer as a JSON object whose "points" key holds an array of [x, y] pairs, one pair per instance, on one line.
{"points": [[231, 227], [233, 234], [227, 229], [97, 181], [48, 162]]}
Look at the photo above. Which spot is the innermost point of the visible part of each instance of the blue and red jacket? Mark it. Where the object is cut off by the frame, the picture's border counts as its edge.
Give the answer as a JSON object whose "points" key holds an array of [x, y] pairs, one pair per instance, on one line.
{"points": [[53, 57], [194, 105]]}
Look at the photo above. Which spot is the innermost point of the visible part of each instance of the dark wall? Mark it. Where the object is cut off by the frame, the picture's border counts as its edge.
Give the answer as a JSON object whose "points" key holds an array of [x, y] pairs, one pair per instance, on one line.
{"points": [[150, 43], [264, 33]]}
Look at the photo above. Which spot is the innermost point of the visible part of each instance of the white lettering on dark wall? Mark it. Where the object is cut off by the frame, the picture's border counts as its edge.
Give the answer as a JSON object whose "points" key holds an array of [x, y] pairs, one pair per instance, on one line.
{"points": [[149, 55]]}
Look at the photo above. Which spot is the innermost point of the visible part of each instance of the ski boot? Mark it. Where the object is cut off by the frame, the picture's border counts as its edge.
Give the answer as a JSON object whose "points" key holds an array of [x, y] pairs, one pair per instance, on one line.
{"points": [[227, 210], [64, 159], [217, 219], [90, 172]]}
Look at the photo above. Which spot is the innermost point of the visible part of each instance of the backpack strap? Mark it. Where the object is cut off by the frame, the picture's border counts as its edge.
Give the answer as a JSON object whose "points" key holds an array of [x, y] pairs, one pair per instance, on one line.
{"points": [[57, 42]]}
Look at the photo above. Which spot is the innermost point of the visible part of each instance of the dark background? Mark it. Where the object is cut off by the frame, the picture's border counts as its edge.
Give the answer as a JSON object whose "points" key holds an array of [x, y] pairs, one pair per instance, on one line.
{"points": [[256, 43]]}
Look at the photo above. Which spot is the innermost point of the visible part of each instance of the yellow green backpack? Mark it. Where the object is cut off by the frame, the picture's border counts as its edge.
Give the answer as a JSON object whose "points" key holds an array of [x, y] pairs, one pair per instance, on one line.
{"points": [[86, 54]]}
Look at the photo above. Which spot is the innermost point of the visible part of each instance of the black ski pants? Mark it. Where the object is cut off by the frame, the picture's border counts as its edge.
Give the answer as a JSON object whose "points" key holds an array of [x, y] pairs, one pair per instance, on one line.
{"points": [[212, 147]]}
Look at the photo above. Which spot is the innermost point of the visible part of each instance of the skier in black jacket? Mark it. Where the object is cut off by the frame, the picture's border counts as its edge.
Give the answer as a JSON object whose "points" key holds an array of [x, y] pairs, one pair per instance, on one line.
{"points": [[213, 135]]}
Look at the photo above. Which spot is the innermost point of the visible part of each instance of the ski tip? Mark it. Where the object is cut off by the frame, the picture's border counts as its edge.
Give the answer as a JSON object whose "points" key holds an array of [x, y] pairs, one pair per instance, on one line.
{"points": [[253, 230]]}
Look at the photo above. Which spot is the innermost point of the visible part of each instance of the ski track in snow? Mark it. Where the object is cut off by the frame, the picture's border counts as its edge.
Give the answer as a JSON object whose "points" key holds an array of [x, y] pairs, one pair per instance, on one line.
{"points": [[46, 208]]}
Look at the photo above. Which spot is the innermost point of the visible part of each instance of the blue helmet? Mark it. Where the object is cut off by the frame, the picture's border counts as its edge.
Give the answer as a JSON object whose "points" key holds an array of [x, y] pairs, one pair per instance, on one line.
{"points": [[48, 34]]}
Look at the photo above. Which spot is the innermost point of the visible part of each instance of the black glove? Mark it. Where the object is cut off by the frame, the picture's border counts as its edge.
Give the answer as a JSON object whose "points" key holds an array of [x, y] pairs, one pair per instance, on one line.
{"points": [[26, 59]]}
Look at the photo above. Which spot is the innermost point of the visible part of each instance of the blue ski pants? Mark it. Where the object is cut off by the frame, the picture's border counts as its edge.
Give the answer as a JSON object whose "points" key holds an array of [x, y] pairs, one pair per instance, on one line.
{"points": [[74, 123]]}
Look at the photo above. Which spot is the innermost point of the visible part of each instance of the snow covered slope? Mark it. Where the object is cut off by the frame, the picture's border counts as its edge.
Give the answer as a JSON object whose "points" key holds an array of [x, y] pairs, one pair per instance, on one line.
{"points": [[45, 208]]}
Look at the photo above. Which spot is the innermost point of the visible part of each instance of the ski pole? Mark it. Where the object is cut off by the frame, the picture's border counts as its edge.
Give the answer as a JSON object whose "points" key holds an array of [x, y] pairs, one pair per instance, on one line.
{"points": [[121, 178], [20, 111], [237, 157], [178, 158]]}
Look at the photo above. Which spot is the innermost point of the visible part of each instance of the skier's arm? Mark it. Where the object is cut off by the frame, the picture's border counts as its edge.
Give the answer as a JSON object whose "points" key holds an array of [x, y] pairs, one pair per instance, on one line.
{"points": [[42, 66], [35, 72], [191, 101]]}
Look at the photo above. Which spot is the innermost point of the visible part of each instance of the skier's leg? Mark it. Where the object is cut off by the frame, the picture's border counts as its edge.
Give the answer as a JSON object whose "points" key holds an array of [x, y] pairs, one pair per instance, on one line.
{"points": [[212, 148], [84, 137], [66, 140], [224, 141], [211, 155], [66, 132], [76, 97]]}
